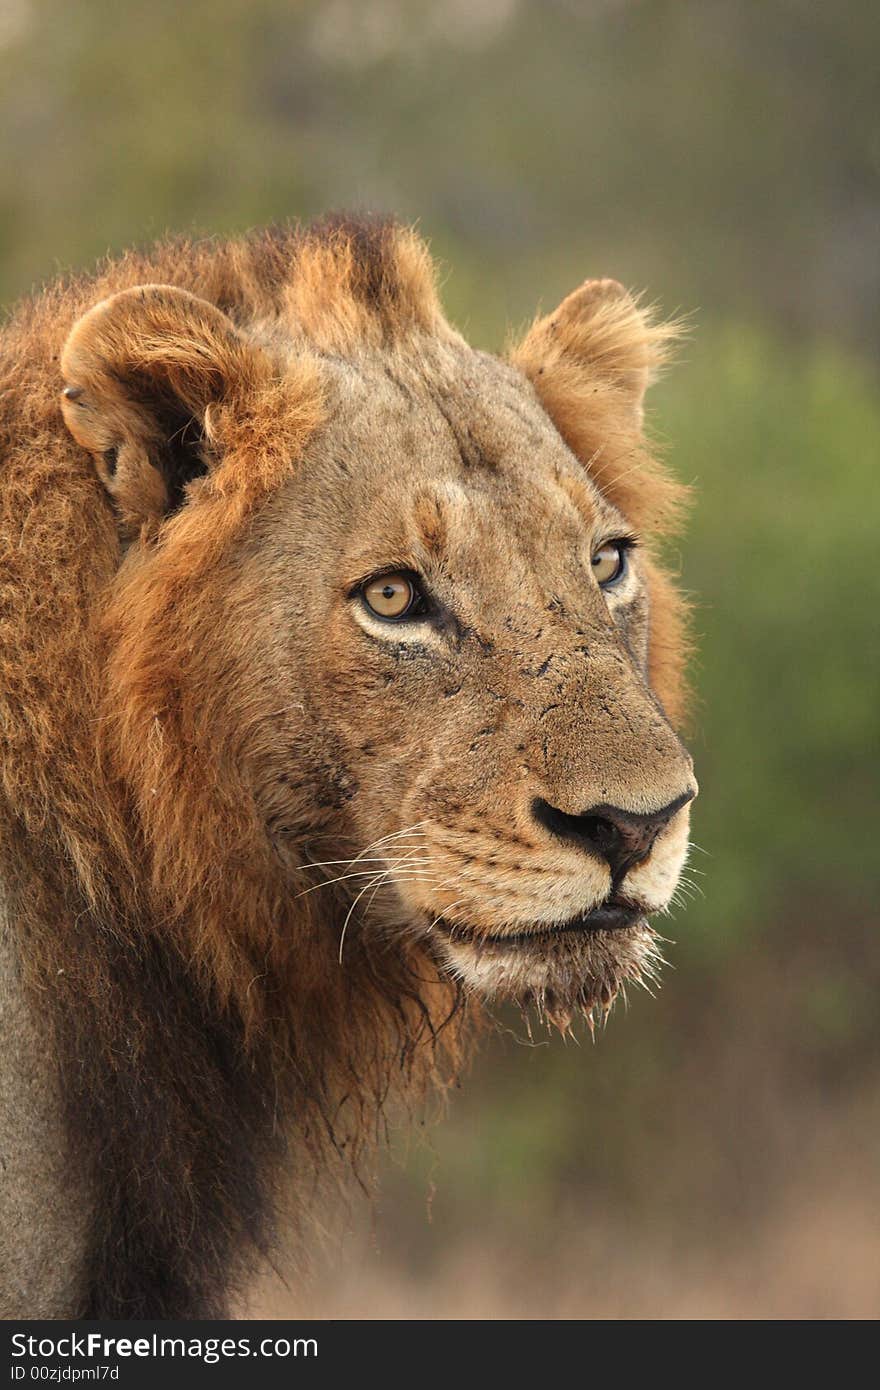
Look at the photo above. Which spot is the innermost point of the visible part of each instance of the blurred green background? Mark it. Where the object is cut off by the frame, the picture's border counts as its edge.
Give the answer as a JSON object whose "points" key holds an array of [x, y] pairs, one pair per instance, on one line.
{"points": [[716, 1153]]}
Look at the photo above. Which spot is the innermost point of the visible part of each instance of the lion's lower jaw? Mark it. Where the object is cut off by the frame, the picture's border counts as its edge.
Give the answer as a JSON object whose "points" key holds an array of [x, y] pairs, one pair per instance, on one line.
{"points": [[559, 976]]}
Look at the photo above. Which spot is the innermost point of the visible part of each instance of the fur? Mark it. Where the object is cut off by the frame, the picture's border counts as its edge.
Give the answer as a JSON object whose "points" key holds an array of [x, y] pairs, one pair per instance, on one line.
{"points": [[197, 714]]}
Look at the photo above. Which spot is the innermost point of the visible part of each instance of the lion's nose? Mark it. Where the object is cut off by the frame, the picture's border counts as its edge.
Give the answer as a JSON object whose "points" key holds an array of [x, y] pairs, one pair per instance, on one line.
{"points": [[622, 838]]}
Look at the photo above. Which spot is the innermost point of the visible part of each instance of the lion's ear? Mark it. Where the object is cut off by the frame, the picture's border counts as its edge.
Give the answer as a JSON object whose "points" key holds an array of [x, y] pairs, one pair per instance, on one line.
{"points": [[590, 363], [600, 342], [143, 369]]}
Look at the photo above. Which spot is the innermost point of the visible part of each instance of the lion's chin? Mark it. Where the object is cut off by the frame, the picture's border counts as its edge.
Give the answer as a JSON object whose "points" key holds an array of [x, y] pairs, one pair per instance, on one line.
{"points": [[560, 972]]}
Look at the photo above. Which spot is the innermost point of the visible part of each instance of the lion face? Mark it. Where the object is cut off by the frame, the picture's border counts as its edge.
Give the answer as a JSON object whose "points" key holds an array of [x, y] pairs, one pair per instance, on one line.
{"points": [[466, 634], [443, 643]]}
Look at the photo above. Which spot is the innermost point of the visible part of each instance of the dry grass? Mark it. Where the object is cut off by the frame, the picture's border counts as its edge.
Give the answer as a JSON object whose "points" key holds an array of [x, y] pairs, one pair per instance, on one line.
{"points": [[816, 1256]]}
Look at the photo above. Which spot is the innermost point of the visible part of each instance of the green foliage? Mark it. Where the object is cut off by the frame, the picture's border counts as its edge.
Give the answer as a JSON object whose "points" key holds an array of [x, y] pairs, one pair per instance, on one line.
{"points": [[782, 444]]}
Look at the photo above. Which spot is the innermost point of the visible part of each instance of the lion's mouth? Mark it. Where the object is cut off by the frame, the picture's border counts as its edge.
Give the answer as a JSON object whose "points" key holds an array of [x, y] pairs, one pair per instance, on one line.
{"points": [[613, 915]]}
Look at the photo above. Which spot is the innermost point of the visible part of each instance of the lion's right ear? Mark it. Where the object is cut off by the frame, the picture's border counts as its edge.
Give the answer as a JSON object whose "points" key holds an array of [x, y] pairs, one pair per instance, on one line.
{"points": [[143, 369]]}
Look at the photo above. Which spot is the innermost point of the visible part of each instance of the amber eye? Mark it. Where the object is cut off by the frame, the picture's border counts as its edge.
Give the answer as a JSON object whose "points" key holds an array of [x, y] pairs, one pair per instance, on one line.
{"points": [[609, 562], [393, 596]]}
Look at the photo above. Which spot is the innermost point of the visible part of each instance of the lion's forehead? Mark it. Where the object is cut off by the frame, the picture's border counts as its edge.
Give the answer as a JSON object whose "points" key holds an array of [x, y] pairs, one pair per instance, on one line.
{"points": [[469, 400], [450, 453]]}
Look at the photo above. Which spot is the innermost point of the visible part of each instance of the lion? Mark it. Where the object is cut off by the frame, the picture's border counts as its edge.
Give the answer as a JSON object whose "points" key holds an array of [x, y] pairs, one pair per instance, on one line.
{"points": [[340, 680]]}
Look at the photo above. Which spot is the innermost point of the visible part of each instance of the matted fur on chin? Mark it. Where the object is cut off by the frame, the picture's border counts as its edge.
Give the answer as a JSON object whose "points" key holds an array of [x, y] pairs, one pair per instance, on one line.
{"points": [[559, 978]]}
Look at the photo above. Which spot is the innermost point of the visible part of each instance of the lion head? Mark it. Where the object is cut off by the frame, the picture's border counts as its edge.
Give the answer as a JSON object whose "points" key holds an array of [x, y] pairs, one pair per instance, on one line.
{"points": [[339, 685], [391, 664]]}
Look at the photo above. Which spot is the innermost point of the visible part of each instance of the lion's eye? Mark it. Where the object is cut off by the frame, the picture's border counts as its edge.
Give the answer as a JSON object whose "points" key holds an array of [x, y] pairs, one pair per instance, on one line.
{"points": [[609, 562], [393, 596]]}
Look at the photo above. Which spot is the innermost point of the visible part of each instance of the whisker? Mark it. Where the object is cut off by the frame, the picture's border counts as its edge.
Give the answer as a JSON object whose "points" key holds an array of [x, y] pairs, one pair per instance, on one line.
{"points": [[348, 915], [382, 839], [342, 878], [334, 863]]}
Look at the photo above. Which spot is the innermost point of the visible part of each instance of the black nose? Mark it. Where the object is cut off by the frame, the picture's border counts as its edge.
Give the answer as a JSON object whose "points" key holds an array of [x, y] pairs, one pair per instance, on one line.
{"points": [[622, 838]]}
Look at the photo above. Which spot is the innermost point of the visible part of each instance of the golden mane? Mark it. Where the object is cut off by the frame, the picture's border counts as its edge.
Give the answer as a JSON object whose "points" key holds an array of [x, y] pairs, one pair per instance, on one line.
{"points": [[152, 973]]}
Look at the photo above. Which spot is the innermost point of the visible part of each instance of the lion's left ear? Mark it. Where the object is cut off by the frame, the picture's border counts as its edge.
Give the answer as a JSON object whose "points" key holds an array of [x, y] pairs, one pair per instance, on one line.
{"points": [[599, 340], [591, 363], [143, 370]]}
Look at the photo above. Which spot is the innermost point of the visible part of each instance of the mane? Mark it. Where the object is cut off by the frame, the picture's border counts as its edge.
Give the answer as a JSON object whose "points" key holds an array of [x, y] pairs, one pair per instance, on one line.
{"points": [[194, 1000]]}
